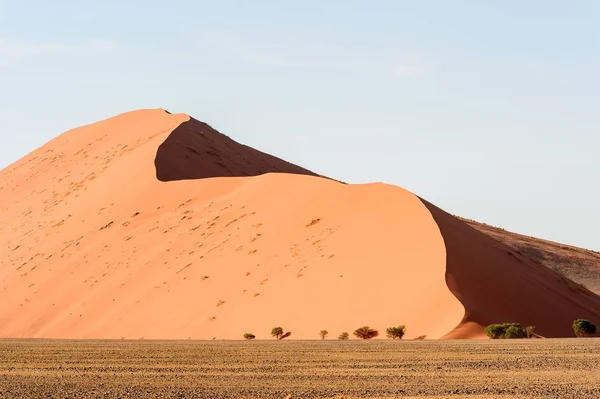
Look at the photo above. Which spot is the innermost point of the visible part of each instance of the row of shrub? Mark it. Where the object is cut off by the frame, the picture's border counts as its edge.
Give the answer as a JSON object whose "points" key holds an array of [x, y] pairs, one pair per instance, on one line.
{"points": [[508, 331], [364, 332], [581, 328]]}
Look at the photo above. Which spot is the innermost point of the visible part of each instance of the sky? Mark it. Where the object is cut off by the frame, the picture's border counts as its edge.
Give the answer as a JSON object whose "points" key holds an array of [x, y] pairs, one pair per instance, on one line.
{"points": [[488, 109]]}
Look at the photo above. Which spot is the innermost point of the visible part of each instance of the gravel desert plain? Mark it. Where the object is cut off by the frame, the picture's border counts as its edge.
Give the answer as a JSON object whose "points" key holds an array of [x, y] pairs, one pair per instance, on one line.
{"points": [[550, 368], [140, 249]]}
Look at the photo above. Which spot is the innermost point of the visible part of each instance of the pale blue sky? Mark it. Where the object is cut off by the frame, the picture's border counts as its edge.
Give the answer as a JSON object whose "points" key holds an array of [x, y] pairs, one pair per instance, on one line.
{"points": [[489, 109]]}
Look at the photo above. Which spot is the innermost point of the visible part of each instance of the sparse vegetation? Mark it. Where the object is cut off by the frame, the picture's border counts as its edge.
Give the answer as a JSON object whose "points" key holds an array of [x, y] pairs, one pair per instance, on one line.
{"points": [[508, 331], [344, 336], [529, 331], [396, 332], [494, 331], [249, 336], [323, 334], [277, 332], [366, 332], [583, 328], [515, 331]]}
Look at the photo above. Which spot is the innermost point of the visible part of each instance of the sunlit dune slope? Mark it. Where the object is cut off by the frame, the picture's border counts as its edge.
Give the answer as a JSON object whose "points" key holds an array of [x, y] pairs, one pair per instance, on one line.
{"points": [[127, 228], [155, 225]]}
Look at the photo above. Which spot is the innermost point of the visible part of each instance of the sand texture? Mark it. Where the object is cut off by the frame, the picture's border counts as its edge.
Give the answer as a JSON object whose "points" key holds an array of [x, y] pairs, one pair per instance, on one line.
{"points": [[154, 225], [577, 264]]}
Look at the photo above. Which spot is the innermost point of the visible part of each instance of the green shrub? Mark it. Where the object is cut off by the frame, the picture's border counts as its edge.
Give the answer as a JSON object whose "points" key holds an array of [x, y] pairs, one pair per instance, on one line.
{"points": [[249, 336], [323, 334], [494, 331], [515, 331], [366, 332], [395, 332], [344, 336], [583, 328], [508, 331], [277, 332]]}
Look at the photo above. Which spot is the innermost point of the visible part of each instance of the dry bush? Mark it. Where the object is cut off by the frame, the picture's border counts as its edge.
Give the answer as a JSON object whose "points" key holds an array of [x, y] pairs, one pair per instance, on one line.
{"points": [[508, 331], [396, 332], [366, 332], [583, 328]]}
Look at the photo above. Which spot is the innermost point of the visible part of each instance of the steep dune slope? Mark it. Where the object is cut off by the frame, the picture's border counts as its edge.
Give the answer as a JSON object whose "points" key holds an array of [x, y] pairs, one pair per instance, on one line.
{"points": [[194, 150], [577, 264], [497, 284], [99, 247]]}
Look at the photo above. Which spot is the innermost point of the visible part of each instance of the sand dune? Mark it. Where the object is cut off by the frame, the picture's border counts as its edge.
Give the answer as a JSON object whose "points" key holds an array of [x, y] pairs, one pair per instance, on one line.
{"points": [[122, 254], [194, 150], [577, 264], [153, 225], [495, 283]]}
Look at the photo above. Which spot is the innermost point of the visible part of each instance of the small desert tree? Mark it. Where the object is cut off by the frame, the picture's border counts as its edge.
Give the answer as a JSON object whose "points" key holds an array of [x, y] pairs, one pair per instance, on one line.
{"points": [[583, 328], [323, 334], [529, 331], [366, 332], [344, 336], [249, 336], [395, 332], [277, 332]]}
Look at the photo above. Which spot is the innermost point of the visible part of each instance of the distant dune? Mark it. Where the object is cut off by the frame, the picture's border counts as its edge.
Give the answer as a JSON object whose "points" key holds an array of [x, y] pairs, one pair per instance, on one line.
{"points": [[578, 264], [154, 225]]}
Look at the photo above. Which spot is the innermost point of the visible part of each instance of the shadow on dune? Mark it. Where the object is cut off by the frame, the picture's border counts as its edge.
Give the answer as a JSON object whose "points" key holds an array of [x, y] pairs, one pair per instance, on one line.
{"points": [[494, 282], [497, 284], [194, 150]]}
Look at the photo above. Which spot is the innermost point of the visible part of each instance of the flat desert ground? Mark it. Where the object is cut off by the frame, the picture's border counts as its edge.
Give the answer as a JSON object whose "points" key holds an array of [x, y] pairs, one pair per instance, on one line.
{"points": [[60, 369], [135, 246]]}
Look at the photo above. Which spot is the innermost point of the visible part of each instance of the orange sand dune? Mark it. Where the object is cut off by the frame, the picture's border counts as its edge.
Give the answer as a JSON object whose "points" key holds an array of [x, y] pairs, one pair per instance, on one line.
{"points": [[496, 284], [577, 264], [155, 225], [98, 247], [194, 150]]}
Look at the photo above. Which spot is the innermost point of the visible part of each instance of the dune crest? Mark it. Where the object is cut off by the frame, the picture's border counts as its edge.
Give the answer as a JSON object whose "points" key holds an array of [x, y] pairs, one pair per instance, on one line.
{"points": [[155, 225], [98, 247], [195, 150]]}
